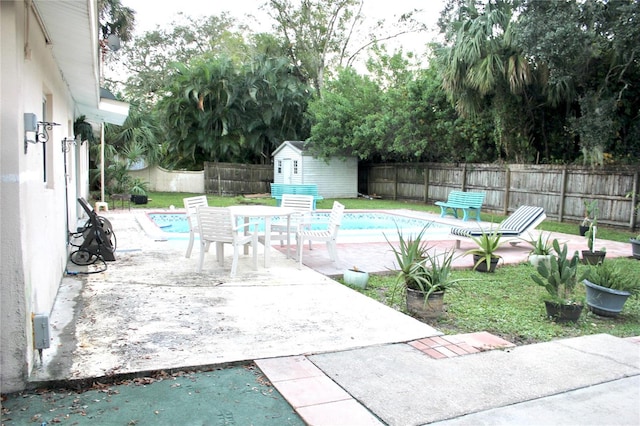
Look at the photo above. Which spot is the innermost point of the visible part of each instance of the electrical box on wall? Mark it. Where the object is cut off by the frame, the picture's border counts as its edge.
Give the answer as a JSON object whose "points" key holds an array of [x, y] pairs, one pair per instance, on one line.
{"points": [[41, 331], [30, 122]]}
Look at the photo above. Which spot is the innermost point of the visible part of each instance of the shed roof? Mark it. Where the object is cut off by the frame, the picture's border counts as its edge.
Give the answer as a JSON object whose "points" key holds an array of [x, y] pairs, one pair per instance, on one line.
{"points": [[296, 145]]}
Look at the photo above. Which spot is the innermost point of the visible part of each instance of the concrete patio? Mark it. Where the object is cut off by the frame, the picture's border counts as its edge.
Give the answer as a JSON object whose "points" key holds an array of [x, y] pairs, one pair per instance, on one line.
{"points": [[151, 311]]}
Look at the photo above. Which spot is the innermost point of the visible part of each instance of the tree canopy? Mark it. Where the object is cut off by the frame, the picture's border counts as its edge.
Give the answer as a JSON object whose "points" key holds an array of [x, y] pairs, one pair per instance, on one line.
{"points": [[553, 81]]}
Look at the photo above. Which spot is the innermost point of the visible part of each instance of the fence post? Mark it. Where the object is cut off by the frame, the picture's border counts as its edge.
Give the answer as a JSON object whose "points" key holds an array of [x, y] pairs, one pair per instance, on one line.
{"points": [[395, 182], [563, 192], [507, 186], [426, 183], [464, 177], [634, 201]]}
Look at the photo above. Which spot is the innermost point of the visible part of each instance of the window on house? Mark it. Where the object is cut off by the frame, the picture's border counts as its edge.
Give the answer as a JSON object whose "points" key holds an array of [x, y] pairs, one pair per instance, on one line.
{"points": [[295, 167], [279, 167]]}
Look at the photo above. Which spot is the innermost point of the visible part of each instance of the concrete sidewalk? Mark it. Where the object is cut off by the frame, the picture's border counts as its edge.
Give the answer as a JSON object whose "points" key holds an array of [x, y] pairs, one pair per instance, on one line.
{"points": [[336, 356]]}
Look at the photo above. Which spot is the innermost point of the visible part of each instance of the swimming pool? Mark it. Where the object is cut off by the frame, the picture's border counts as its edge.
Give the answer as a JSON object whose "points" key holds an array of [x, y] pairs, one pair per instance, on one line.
{"points": [[357, 225]]}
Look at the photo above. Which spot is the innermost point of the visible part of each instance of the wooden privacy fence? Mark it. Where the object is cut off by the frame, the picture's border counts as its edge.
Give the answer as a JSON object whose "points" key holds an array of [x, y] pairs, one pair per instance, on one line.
{"points": [[233, 179], [560, 190]]}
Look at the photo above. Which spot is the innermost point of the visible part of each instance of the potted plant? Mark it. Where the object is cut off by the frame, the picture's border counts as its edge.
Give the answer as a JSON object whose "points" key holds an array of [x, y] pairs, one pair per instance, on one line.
{"points": [[541, 249], [591, 256], [484, 257], [138, 190], [356, 277], [590, 212], [422, 277], [559, 278], [608, 288], [635, 246]]}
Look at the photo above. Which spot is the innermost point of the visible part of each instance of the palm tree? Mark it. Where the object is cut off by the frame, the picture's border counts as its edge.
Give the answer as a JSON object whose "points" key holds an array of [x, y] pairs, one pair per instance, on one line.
{"points": [[484, 68]]}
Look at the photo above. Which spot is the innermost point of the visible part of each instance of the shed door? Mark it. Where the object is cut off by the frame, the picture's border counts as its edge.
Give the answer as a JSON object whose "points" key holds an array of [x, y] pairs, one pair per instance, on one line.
{"points": [[286, 170]]}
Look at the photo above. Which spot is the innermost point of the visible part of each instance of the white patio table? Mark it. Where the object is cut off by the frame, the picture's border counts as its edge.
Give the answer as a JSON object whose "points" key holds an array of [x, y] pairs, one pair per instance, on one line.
{"points": [[266, 213]]}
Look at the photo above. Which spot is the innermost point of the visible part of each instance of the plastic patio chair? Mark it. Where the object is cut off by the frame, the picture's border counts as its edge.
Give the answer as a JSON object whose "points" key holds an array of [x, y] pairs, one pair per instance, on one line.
{"points": [[303, 206], [216, 225], [191, 205], [328, 235]]}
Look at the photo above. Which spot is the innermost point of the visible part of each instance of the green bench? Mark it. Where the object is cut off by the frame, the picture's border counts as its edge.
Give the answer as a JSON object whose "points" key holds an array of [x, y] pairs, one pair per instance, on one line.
{"points": [[277, 189], [468, 202]]}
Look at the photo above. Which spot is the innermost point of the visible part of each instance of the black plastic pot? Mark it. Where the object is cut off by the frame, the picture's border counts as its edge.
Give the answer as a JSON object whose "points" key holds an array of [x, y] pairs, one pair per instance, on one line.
{"points": [[482, 267], [635, 248], [139, 199], [563, 313], [593, 257]]}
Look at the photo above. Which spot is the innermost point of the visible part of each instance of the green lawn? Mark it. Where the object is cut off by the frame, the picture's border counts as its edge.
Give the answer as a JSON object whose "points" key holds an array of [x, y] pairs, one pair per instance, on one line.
{"points": [[506, 303]]}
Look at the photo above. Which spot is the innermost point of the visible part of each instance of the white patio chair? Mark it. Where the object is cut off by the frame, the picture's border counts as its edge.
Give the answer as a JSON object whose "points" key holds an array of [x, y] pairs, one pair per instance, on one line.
{"points": [[191, 205], [328, 235], [216, 225], [303, 206]]}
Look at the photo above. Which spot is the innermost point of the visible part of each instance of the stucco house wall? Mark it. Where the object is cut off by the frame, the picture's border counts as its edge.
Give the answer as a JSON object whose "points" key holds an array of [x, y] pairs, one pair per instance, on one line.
{"points": [[163, 180], [39, 187], [335, 178]]}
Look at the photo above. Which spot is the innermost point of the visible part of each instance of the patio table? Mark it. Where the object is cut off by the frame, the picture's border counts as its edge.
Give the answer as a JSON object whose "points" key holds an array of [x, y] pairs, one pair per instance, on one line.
{"points": [[266, 213]]}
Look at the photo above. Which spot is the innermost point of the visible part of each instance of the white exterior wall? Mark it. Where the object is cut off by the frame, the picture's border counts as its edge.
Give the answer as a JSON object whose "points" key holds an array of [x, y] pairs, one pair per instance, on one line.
{"points": [[336, 179], [163, 180], [291, 155], [33, 213]]}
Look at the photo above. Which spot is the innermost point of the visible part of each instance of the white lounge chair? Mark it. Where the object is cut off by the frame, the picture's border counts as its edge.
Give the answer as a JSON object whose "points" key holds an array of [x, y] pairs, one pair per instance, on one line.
{"points": [[328, 235], [216, 225], [520, 222], [191, 205]]}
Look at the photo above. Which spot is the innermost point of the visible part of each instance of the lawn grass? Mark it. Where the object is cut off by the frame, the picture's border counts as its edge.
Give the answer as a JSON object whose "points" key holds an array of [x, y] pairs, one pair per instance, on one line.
{"points": [[506, 303], [509, 304]]}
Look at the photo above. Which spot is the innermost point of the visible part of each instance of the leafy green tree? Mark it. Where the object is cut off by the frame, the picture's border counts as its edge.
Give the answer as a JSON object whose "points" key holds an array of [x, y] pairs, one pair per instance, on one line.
{"points": [[588, 66], [483, 66], [319, 34], [218, 111], [147, 59], [116, 19], [340, 125]]}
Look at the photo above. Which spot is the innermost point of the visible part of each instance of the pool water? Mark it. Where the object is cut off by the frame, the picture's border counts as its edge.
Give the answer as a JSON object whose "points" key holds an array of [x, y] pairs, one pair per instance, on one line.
{"points": [[177, 222]]}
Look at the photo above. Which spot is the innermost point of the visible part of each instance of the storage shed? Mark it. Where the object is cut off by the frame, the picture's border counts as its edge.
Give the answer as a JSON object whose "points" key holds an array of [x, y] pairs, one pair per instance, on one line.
{"points": [[335, 178]]}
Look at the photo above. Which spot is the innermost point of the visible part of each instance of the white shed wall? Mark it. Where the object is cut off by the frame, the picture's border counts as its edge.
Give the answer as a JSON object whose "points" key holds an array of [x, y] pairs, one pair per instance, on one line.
{"points": [[336, 179], [291, 155]]}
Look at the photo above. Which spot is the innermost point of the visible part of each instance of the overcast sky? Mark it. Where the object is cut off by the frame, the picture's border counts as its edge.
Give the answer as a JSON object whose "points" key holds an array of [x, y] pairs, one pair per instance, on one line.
{"points": [[150, 13]]}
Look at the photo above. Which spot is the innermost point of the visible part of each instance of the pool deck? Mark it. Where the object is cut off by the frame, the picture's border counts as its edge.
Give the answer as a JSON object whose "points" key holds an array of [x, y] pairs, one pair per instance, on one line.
{"points": [[337, 356], [372, 253]]}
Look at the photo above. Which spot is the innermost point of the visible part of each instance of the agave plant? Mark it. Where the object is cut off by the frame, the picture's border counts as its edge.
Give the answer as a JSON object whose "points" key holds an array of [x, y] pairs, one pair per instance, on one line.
{"points": [[560, 276], [409, 255], [487, 244]]}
